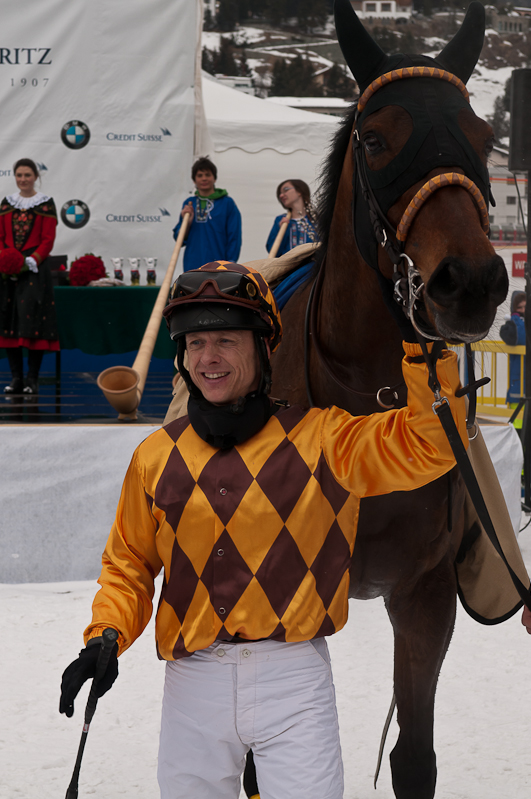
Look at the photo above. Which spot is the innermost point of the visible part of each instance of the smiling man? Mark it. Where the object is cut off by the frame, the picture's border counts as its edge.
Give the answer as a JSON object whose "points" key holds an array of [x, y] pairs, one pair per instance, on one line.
{"points": [[250, 508], [216, 226]]}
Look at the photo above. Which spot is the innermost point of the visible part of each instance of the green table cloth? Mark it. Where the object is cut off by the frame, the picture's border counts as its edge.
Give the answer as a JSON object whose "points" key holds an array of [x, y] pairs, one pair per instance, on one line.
{"points": [[106, 320]]}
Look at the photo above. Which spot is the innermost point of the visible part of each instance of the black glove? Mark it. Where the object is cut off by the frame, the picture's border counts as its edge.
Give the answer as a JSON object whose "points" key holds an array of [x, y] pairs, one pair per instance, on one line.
{"points": [[83, 669], [406, 328]]}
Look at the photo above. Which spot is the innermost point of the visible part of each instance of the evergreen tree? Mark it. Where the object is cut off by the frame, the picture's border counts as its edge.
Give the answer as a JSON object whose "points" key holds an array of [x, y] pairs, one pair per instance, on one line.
{"points": [[295, 79], [388, 40], [501, 118], [243, 67], [207, 61], [338, 84], [279, 80], [227, 15], [311, 13], [208, 22], [277, 11], [225, 63]]}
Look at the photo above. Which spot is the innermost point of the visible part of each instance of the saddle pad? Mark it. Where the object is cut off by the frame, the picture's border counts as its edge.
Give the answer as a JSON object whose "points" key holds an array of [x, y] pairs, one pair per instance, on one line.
{"points": [[274, 269]]}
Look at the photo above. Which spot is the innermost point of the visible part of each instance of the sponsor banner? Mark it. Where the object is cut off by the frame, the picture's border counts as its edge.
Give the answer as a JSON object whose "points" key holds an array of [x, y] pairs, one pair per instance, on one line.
{"points": [[101, 96], [519, 262]]}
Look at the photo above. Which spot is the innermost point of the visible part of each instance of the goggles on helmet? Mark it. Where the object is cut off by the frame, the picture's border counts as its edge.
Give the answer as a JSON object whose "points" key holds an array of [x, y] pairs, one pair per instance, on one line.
{"points": [[224, 284], [218, 297]]}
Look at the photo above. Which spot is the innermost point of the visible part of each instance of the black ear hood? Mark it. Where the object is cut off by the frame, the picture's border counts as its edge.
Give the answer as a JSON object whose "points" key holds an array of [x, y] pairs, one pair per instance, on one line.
{"points": [[434, 105], [367, 61]]}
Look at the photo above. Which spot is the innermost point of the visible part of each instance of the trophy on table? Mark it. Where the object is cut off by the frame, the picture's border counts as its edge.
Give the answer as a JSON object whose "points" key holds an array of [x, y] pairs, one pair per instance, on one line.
{"points": [[117, 266], [151, 265], [134, 264]]}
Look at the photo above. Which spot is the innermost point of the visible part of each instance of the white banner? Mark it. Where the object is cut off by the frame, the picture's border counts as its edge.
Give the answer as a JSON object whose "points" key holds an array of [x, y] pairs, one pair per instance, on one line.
{"points": [[100, 94]]}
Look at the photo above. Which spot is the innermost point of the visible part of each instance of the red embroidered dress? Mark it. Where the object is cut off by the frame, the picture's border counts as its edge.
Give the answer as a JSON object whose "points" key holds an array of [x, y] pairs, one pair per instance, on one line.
{"points": [[27, 305]]}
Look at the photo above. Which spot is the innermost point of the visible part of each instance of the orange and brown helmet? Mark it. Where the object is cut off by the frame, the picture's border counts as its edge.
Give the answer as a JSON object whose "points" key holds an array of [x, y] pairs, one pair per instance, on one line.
{"points": [[223, 295]]}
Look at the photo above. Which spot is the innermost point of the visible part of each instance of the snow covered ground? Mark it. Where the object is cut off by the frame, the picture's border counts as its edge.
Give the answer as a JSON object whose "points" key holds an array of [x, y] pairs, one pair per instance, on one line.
{"points": [[483, 709]]}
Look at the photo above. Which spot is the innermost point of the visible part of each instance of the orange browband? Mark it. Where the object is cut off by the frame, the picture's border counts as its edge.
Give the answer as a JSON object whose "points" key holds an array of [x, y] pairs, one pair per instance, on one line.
{"points": [[410, 72], [429, 188]]}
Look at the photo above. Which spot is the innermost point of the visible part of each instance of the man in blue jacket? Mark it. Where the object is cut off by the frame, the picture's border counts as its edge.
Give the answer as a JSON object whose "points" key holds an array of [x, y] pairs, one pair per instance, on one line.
{"points": [[215, 232]]}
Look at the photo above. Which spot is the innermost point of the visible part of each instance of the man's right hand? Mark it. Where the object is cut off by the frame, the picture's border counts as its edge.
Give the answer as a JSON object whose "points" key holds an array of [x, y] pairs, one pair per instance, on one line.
{"points": [[83, 669], [188, 209]]}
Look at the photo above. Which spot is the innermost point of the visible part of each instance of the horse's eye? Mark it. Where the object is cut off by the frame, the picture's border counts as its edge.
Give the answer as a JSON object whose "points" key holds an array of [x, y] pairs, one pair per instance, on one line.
{"points": [[489, 146], [372, 144]]}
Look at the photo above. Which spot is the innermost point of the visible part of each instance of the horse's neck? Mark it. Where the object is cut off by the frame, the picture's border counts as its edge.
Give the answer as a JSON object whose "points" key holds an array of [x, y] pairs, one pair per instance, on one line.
{"points": [[354, 324]]}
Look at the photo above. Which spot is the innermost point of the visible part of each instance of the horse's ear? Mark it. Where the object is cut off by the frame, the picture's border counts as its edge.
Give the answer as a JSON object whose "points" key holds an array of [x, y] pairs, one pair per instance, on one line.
{"points": [[364, 57], [462, 52]]}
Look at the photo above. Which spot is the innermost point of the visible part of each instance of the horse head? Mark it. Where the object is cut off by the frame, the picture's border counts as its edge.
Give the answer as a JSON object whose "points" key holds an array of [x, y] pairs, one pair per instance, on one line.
{"points": [[416, 133]]}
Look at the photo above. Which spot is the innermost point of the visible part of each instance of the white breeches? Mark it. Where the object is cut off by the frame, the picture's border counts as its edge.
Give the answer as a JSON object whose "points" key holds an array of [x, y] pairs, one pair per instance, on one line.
{"points": [[274, 698]]}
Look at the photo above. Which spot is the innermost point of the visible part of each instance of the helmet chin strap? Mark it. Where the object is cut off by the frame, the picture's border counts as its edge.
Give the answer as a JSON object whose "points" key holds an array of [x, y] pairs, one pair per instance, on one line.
{"points": [[264, 386]]}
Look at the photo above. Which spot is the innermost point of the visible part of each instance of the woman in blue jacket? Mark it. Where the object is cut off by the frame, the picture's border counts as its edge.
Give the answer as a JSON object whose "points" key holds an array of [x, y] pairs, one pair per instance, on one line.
{"points": [[294, 195]]}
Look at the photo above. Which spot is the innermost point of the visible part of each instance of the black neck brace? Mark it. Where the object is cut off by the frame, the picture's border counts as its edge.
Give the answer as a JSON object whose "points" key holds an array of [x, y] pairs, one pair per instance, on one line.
{"points": [[225, 426]]}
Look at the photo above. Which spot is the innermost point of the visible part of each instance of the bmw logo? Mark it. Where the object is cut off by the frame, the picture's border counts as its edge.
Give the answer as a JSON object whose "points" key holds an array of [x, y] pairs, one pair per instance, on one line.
{"points": [[75, 134], [75, 214]]}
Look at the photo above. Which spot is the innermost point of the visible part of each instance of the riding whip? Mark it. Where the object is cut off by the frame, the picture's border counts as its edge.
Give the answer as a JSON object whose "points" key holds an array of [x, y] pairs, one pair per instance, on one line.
{"points": [[109, 637]]}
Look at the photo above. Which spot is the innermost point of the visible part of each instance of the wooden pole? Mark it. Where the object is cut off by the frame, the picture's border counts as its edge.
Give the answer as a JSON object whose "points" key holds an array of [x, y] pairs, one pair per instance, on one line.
{"points": [[123, 385], [147, 345], [280, 235]]}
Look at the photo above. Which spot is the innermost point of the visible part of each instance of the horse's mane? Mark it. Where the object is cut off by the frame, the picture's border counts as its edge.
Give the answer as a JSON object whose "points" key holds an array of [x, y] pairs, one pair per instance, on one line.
{"points": [[329, 182]]}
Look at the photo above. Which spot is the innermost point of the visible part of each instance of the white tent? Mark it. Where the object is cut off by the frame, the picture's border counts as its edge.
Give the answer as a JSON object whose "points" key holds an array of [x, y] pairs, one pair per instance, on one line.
{"points": [[256, 145]]}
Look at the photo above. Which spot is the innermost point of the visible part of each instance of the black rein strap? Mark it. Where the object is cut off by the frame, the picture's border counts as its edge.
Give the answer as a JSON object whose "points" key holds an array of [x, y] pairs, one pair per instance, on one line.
{"points": [[441, 408]]}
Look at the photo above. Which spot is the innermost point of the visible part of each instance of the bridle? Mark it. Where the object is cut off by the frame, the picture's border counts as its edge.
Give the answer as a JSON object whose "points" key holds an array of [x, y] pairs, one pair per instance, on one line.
{"points": [[408, 283]]}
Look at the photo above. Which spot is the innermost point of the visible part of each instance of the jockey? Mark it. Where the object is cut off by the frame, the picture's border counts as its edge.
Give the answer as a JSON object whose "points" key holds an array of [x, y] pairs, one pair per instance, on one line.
{"points": [[250, 509]]}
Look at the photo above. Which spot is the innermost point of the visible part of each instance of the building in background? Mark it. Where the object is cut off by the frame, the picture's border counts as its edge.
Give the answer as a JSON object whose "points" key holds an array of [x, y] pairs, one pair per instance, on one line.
{"points": [[385, 10], [509, 217], [511, 20]]}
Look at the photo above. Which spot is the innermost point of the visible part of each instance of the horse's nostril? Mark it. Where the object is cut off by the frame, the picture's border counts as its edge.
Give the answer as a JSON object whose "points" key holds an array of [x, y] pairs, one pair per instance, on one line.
{"points": [[446, 282], [454, 279]]}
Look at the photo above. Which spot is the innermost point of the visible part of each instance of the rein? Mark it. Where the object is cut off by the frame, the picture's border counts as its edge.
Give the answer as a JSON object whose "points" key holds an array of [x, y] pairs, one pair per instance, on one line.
{"points": [[441, 408], [408, 289]]}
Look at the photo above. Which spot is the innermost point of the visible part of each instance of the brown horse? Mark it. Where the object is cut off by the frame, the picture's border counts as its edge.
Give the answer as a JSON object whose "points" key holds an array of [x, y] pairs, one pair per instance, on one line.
{"points": [[411, 130]]}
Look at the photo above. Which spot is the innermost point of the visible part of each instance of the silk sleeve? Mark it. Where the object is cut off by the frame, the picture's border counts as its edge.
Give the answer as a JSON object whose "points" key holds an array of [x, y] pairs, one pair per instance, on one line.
{"points": [[130, 564], [398, 450]]}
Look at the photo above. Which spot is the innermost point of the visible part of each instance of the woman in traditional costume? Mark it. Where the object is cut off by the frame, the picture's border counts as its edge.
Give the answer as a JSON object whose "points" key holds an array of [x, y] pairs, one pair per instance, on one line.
{"points": [[294, 196], [28, 220]]}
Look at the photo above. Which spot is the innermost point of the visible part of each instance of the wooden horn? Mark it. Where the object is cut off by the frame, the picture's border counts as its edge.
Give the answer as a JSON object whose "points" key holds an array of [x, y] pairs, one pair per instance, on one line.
{"points": [[280, 235], [122, 386]]}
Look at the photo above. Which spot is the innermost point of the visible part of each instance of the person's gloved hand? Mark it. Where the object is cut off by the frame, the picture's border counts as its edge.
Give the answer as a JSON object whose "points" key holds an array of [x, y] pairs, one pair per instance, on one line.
{"points": [[83, 669], [31, 263]]}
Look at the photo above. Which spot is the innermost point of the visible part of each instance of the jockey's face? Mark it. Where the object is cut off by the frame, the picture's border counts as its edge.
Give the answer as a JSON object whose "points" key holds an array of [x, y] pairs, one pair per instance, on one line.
{"points": [[223, 364]]}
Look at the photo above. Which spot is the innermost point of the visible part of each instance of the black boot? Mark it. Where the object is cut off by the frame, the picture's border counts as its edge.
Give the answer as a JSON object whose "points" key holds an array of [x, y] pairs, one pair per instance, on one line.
{"points": [[14, 357], [31, 386]]}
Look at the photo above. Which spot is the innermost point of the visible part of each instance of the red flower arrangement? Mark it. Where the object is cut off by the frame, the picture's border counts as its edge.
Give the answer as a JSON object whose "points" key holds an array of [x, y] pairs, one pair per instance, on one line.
{"points": [[12, 262], [83, 270]]}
